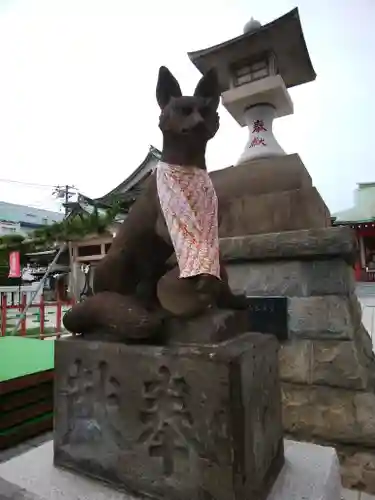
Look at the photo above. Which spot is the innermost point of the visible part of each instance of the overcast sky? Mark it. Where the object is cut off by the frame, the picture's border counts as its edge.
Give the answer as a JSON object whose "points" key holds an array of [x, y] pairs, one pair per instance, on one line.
{"points": [[77, 89]]}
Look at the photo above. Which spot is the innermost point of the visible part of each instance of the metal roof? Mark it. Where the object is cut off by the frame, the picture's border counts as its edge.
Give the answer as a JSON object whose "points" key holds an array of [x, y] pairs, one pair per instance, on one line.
{"points": [[28, 216], [139, 174]]}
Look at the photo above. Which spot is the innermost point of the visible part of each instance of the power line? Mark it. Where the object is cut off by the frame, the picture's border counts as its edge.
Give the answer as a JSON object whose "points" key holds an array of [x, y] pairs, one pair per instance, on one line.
{"points": [[58, 191], [64, 192], [34, 184]]}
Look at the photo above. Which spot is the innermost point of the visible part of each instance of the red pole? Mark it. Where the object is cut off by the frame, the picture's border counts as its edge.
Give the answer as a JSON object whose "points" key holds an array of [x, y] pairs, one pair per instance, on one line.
{"points": [[23, 322], [357, 270], [3, 314], [57, 289], [58, 318], [42, 312]]}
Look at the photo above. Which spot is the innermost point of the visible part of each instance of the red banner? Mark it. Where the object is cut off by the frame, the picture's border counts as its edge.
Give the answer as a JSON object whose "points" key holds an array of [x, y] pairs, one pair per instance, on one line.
{"points": [[14, 265]]}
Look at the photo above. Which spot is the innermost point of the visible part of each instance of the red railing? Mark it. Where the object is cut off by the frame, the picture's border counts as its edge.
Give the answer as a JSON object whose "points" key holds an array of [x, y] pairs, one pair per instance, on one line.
{"points": [[41, 309]]}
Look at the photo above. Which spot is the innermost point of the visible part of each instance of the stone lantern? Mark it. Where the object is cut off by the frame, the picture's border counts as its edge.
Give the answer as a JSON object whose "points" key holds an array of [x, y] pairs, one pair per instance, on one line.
{"points": [[255, 71], [278, 242]]}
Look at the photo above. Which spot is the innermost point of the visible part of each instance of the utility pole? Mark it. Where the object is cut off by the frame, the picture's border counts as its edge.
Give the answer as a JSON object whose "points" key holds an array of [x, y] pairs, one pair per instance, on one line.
{"points": [[64, 193]]}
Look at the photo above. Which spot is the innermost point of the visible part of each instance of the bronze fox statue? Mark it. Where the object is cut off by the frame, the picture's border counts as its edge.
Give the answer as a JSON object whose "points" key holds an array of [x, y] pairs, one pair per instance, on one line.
{"points": [[137, 284]]}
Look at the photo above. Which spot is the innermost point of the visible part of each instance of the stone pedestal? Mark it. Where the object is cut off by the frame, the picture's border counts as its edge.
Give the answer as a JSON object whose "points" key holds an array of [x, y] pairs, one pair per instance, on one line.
{"points": [[327, 366], [268, 195], [194, 422]]}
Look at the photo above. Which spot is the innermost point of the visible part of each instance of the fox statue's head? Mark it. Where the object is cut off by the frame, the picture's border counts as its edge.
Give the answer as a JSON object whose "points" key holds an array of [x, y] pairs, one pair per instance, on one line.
{"points": [[187, 122]]}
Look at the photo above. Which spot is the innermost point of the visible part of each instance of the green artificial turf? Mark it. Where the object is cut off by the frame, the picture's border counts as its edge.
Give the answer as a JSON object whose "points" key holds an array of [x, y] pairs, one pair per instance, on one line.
{"points": [[22, 356]]}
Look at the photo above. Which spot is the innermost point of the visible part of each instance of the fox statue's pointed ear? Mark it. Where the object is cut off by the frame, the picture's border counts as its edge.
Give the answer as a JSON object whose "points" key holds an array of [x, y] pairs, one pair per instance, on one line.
{"points": [[167, 87], [208, 86]]}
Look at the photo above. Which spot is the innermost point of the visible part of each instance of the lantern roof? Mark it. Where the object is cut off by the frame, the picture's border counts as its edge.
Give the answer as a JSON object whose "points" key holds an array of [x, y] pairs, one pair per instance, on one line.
{"points": [[283, 37]]}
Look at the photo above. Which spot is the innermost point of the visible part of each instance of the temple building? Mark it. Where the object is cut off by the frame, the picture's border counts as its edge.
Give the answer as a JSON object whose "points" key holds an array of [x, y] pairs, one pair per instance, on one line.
{"points": [[127, 192], [88, 251], [361, 217]]}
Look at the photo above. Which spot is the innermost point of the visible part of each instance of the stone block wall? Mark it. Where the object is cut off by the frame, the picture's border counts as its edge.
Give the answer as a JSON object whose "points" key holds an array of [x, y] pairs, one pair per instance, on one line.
{"points": [[327, 366], [268, 195]]}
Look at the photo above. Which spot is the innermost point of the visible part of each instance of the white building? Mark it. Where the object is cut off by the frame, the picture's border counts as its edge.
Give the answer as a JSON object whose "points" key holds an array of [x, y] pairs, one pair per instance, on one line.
{"points": [[21, 219]]}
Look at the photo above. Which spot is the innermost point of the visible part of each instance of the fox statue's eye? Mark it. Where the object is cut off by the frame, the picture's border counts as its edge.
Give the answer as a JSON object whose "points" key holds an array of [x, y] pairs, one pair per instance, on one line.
{"points": [[204, 111], [186, 110]]}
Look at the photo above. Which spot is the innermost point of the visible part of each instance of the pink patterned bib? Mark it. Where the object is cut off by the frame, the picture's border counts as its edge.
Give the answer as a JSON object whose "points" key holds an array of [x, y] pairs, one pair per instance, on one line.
{"points": [[189, 204]]}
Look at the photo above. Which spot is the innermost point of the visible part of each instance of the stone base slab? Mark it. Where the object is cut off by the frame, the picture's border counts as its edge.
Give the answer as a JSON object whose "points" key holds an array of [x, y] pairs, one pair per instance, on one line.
{"points": [[297, 245], [292, 278], [310, 472], [266, 175], [274, 212], [357, 468]]}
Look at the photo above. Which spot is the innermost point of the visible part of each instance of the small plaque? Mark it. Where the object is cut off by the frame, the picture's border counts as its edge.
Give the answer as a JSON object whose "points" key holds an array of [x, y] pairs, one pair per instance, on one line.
{"points": [[269, 315]]}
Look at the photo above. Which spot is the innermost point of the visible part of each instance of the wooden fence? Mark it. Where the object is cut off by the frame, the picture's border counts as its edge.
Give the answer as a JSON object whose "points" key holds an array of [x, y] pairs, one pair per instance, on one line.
{"points": [[42, 319], [14, 293]]}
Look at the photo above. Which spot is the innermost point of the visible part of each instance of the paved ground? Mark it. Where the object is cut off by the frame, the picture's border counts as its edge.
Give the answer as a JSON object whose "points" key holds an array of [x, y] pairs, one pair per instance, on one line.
{"points": [[368, 317], [366, 295], [365, 289], [6, 455]]}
